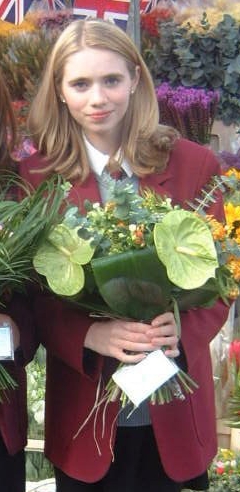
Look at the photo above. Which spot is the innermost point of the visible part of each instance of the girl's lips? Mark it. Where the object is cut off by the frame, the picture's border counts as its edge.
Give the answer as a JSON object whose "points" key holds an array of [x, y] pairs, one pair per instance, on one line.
{"points": [[100, 116]]}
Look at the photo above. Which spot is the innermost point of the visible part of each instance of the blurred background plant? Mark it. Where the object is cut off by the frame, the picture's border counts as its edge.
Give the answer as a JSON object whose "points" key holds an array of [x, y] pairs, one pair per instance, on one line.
{"points": [[224, 473], [197, 54], [23, 55], [36, 375], [37, 466]]}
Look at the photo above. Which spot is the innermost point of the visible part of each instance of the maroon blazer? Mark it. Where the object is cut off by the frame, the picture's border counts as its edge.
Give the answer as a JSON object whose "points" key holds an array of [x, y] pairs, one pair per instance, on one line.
{"points": [[185, 431], [13, 409]]}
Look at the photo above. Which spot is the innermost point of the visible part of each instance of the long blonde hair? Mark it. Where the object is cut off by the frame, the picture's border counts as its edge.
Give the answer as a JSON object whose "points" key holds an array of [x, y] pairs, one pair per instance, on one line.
{"points": [[7, 126], [57, 135]]}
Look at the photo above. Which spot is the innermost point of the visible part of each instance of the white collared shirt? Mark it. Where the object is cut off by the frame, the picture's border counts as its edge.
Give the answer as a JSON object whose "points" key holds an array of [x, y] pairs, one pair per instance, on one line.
{"points": [[98, 162]]}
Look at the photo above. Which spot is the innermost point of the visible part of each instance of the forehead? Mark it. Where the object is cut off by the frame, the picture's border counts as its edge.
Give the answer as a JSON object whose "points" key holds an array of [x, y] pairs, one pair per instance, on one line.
{"points": [[89, 62]]}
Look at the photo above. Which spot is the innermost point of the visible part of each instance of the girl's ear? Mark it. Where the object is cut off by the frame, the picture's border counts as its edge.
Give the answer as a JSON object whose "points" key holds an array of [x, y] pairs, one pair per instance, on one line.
{"points": [[136, 79]]}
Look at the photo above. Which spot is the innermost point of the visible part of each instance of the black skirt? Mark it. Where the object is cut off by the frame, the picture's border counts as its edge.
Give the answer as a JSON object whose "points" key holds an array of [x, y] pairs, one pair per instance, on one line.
{"points": [[12, 470], [136, 468]]}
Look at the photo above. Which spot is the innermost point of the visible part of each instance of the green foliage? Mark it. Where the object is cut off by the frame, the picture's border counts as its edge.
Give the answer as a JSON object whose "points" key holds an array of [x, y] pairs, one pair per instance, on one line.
{"points": [[36, 376], [22, 59], [123, 246], [208, 58], [24, 225], [37, 466]]}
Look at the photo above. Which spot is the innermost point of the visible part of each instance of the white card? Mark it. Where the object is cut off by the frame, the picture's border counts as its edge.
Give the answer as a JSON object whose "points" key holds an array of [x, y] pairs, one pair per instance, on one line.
{"points": [[140, 380], [6, 342]]}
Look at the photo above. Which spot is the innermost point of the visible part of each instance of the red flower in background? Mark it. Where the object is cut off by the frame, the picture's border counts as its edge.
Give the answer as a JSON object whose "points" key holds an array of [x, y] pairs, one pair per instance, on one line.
{"points": [[150, 20], [220, 468], [234, 353]]}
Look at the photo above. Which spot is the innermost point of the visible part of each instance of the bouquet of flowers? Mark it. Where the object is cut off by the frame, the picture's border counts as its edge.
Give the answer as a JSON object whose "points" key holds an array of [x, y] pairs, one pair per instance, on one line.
{"points": [[24, 224], [139, 256]]}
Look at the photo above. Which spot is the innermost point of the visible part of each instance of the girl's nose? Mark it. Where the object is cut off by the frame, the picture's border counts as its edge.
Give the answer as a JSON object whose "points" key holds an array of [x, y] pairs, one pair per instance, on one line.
{"points": [[97, 94]]}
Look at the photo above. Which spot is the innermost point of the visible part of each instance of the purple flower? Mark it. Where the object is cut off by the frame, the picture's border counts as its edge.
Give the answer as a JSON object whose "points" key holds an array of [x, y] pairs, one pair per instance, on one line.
{"points": [[190, 110], [228, 159]]}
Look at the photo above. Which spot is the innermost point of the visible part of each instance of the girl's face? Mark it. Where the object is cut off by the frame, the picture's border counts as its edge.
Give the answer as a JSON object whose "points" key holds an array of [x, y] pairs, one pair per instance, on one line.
{"points": [[96, 87]]}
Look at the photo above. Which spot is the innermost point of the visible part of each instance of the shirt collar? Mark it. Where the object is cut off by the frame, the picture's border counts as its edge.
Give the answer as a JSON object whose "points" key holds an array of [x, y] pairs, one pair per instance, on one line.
{"points": [[98, 160]]}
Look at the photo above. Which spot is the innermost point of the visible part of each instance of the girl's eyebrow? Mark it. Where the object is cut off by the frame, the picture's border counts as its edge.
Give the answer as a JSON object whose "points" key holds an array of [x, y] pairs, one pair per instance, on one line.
{"points": [[86, 79], [78, 79]]}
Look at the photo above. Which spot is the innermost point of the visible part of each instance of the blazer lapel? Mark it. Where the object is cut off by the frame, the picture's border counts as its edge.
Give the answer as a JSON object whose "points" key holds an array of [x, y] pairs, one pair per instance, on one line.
{"points": [[158, 182], [85, 191]]}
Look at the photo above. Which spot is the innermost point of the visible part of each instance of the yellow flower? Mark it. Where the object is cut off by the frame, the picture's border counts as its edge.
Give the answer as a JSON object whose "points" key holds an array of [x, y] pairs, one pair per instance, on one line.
{"points": [[232, 213], [233, 172], [7, 28], [226, 453]]}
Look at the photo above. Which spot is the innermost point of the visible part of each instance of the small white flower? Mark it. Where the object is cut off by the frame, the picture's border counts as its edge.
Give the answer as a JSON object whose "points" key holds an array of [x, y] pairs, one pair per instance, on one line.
{"points": [[132, 227]]}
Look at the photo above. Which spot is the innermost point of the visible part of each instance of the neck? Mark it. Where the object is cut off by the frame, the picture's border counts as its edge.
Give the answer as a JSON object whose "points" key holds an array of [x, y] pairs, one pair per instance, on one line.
{"points": [[106, 144]]}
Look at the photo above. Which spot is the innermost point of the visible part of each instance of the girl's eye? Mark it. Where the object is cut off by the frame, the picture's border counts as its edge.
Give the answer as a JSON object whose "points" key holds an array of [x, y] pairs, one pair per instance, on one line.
{"points": [[81, 84], [112, 80]]}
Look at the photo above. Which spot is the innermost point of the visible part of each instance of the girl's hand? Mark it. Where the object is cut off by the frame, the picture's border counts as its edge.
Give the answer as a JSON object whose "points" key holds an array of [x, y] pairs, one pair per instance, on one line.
{"points": [[129, 341], [163, 332]]}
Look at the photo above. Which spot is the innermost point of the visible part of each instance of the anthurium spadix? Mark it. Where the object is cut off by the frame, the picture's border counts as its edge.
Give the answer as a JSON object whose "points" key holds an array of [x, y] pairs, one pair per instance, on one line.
{"points": [[185, 245], [60, 259]]}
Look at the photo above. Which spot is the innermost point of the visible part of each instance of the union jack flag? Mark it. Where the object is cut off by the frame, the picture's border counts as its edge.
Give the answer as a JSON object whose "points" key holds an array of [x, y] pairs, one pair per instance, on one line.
{"points": [[115, 10], [14, 10], [58, 4]]}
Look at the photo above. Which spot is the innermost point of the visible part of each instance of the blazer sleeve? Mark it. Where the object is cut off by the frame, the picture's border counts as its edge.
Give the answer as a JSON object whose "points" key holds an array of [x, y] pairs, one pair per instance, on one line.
{"points": [[201, 325], [62, 329], [19, 308]]}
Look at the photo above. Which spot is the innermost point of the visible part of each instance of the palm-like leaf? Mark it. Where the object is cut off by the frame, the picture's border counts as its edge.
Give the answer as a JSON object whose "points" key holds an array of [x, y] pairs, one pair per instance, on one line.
{"points": [[24, 225]]}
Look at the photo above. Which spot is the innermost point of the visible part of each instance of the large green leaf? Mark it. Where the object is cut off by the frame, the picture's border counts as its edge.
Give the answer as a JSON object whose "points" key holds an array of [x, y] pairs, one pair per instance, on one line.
{"points": [[185, 246], [60, 260], [134, 284]]}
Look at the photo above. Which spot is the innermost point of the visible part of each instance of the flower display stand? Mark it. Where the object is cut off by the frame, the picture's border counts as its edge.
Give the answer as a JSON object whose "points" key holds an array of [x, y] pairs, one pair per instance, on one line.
{"points": [[35, 445], [224, 434], [224, 137], [235, 439], [228, 438]]}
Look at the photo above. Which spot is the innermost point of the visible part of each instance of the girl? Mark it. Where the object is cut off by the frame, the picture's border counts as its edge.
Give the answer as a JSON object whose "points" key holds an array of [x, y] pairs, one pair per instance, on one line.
{"points": [[96, 112], [13, 408]]}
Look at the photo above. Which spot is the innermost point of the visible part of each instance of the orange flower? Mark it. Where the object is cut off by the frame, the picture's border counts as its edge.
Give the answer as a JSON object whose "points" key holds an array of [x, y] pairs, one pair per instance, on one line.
{"points": [[217, 228], [234, 267], [234, 293]]}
